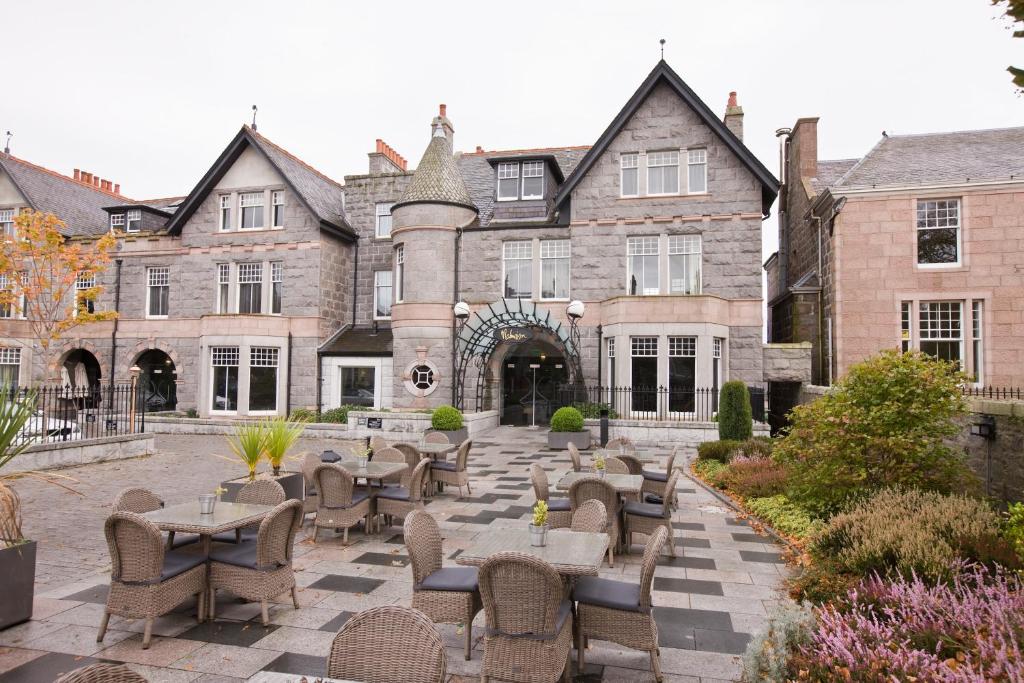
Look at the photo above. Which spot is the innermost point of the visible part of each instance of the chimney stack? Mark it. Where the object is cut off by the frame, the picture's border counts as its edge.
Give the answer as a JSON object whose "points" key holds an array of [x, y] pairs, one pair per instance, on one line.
{"points": [[803, 149], [78, 175], [734, 116], [384, 159], [117, 188]]}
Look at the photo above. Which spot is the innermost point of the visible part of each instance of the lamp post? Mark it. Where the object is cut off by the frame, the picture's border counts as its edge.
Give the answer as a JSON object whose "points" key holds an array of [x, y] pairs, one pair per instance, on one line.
{"points": [[575, 311], [461, 312]]}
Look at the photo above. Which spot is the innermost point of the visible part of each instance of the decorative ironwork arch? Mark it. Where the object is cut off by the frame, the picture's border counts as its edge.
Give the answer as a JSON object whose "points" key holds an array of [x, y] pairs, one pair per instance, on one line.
{"points": [[479, 335]]}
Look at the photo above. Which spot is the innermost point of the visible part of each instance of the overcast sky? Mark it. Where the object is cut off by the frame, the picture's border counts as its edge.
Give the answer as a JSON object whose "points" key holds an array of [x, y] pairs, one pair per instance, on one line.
{"points": [[148, 94]]}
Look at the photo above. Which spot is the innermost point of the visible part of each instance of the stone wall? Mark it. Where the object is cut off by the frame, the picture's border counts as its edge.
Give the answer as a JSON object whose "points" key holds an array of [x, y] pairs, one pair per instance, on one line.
{"points": [[396, 426], [71, 453], [688, 435], [787, 362], [999, 463]]}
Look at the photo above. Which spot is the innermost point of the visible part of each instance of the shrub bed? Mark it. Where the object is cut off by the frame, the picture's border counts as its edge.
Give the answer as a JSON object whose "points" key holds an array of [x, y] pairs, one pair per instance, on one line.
{"points": [[333, 416], [754, 477], [781, 514], [446, 419]]}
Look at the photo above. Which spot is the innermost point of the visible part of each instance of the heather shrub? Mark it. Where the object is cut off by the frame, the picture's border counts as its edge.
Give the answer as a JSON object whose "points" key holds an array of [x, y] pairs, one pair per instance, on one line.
{"points": [[758, 445], [303, 415], [969, 630], [883, 425], [734, 417], [780, 513], [754, 477], [721, 451], [767, 657], [711, 471], [1013, 528]]}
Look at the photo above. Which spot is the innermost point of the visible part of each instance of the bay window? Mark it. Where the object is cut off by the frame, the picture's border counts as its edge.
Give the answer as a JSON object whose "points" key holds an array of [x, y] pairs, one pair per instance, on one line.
{"points": [[684, 261], [276, 286], [223, 287], [224, 373], [250, 287], [517, 266], [554, 269], [941, 329], [682, 373], [644, 367], [263, 362], [642, 265]]}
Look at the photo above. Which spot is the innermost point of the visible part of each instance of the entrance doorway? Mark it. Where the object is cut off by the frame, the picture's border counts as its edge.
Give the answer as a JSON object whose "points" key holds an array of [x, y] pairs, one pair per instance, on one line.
{"points": [[157, 386], [530, 376]]}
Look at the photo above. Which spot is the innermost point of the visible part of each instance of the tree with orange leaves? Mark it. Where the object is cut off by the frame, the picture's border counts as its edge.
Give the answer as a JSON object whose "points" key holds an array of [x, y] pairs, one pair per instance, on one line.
{"points": [[40, 267]]}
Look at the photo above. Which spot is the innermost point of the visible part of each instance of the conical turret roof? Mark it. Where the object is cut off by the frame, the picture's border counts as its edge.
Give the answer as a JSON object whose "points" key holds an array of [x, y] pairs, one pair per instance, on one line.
{"points": [[437, 179]]}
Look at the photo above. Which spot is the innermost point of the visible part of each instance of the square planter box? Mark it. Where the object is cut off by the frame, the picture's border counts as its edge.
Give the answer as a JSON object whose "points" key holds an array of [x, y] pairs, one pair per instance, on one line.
{"points": [[18, 578], [456, 437], [291, 482], [561, 440]]}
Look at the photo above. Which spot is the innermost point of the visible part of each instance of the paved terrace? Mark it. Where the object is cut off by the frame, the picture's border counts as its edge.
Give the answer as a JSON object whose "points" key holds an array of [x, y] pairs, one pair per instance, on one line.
{"points": [[709, 599]]}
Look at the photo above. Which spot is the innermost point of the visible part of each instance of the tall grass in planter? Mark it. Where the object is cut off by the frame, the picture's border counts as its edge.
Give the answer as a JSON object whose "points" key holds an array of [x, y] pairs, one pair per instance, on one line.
{"points": [[281, 435], [248, 443]]}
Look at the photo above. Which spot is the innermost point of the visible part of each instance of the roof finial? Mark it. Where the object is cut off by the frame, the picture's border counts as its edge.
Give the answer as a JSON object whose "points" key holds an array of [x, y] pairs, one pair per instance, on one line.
{"points": [[662, 41], [7, 145], [254, 117]]}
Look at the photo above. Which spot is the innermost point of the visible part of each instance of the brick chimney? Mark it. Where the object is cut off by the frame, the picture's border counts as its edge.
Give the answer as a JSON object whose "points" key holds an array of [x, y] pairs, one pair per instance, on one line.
{"points": [[384, 159], [734, 116], [445, 123], [803, 149]]}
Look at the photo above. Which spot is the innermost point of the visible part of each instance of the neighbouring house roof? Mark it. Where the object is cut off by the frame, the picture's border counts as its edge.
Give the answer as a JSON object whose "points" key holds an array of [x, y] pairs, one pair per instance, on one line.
{"points": [[359, 341], [437, 179], [829, 173], [167, 204], [663, 73], [323, 197], [929, 158], [78, 204]]}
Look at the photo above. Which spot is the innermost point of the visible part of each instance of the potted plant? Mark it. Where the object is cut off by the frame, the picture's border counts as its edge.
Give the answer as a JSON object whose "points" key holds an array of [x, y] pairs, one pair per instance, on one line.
{"points": [[248, 443], [599, 464], [363, 456], [539, 527], [281, 436], [448, 421], [567, 427], [17, 554]]}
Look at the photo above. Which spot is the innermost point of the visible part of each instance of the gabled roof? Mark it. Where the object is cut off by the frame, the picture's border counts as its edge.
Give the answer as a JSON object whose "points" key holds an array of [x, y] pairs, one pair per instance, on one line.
{"points": [[829, 173], [78, 204], [323, 197], [663, 73], [437, 179], [956, 157]]}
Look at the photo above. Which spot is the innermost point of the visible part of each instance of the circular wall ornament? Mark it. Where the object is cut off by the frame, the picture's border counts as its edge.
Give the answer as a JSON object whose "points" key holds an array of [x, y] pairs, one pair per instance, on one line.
{"points": [[421, 377]]}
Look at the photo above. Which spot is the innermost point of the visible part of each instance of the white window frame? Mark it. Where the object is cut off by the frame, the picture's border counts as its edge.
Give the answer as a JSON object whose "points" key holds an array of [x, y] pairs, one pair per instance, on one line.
{"points": [[276, 200], [263, 354], [377, 286], [958, 227], [978, 341], [244, 267], [382, 211], [906, 326], [668, 155], [555, 250], [17, 309], [517, 256], [532, 169], [238, 376], [922, 330], [646, 241], [629, 161], [507, 170], [696, 158], [276, 281], [83, 282], [398, 284], [157, 276], [116, 220], [133, 216], [223, 304], [11, 356], [224, 212], [686, 245], [251, 197]]}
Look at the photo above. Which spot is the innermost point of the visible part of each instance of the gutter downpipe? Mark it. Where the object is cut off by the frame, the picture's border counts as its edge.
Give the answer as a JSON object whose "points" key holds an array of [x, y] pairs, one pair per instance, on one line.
{"points": [[455, 290], [113, 333], [288, 392]]}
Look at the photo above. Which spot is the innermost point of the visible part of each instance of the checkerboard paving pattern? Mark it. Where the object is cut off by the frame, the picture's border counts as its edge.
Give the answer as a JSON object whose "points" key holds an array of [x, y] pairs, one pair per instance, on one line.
{"points": [[709, 598]]}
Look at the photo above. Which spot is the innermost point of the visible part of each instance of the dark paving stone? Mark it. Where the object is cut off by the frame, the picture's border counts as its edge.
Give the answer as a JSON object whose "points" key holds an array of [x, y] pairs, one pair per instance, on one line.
{"points": [[693, 542], [751, 538], [688, 526], [292, 663], [468, 519], [684, 491], [383, 559], [96, 594], [455, 554], [489, 498], [335, 624], [487, 473], [672, 618], [592, 673], [509, 452], [688, 562], [721, 641], [732, 521], [397, 539], [756, 556], [679, 638], [515, 487], [511, 478], [346, 584], [662, 583], [242, 634], [49, 667]]}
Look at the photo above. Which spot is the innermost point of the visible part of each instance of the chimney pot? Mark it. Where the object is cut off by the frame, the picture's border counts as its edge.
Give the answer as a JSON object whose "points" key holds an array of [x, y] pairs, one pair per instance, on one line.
{"points": [[732, 98], [479, 149], [96, 181], [443, 109], [78, 174], [117, 188]]}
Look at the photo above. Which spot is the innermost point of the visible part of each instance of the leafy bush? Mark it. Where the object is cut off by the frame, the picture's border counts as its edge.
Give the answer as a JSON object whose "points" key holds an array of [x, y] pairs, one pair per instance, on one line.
{"points": [[721, 451], [906, 630], [446, 419], [734, 418], [567, 419], [337, 415], [883, 425], [710, 470], [756, 477], [1013, 528], [758, 445], [767, 659], [592, 411], [303, 415], [782, 514]]}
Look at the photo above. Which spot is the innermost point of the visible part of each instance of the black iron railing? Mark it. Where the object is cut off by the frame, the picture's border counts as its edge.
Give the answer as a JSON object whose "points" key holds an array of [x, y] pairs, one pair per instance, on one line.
{"points": [[651, 403], [995, 392], [65, 413]]}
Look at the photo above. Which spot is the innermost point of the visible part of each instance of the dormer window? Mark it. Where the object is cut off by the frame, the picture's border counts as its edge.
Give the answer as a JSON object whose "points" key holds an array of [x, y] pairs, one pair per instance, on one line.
{"points": [[508, 181], [527, 184], [533, 179], [116, 221], [134, 220]]}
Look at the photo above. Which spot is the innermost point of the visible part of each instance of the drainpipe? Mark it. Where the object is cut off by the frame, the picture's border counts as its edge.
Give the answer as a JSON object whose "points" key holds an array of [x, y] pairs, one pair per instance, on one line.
{"points": [[455, 289], [288, 388], [113, 334], [355, 281], [600, 332]]}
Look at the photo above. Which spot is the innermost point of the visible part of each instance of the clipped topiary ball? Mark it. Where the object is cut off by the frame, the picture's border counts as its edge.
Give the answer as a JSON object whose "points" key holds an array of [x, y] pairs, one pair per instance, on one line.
{"points": [[446, 419], [567, 419]]}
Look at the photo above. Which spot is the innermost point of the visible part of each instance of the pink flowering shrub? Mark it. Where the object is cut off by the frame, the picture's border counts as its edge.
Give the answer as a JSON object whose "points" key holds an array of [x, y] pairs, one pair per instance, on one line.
{"points": [[968, 630]]}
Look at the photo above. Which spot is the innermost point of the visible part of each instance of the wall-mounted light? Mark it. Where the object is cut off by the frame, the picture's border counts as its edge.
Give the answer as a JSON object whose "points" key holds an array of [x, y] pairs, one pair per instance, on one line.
{"points": [[461, 310], [575, 309], [985, 427]]}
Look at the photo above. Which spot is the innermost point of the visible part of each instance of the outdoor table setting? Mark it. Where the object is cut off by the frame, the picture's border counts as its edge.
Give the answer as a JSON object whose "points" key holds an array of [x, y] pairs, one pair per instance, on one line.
{"points": [[206, 518], [436, 451], [571, 553], [622, 483]]}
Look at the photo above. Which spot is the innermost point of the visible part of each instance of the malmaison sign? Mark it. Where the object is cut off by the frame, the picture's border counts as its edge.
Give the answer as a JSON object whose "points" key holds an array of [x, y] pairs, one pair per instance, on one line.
{"points": [[513, 334]]}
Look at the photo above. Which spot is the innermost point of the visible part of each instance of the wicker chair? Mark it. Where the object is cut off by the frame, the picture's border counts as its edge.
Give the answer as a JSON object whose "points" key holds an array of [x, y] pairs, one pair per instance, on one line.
{"points": [[577, 461], [412, 458], [646, 518], [147, 581], [257, 492], [389, 454], [101, 673], [529, 621], [559, 512], [596, 488], [309, 464], [260, 569], [590, 516], [388, 644], [377, 443], [141, 501], [341, 504], [454, 473], [615, 466], [654, 482], [620, 612], [448, 595], [436, 437], [632, 463], [399, 501], [623, 441]]}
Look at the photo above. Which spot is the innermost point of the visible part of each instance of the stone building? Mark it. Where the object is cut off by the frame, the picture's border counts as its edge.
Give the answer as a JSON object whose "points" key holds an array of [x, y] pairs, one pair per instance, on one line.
{"points": [[479, 278], [917, 245]]}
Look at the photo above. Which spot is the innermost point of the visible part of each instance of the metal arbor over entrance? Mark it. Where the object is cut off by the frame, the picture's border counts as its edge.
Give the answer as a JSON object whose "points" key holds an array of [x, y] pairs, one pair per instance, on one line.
{"points": [[511, 320]]}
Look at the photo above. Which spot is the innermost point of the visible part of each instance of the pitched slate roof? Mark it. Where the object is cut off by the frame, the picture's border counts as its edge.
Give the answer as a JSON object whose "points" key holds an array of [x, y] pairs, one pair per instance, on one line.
{"points": [[323, 197], [662, 72], [78, 204], [437, 179], [957, 157], [362, 341], [477, 171], [830, 171]]}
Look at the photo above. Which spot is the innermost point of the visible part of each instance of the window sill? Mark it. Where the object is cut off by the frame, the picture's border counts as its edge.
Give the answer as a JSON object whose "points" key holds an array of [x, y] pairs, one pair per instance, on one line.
{"points": [[156, 317], [674, 195], [383, 320], [944, 267], [554, 301], [247, 231], [378, 238]]}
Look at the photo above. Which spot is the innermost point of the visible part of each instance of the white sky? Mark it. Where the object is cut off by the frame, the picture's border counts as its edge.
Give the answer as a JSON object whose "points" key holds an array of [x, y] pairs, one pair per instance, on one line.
{"points": [[148, 94]]}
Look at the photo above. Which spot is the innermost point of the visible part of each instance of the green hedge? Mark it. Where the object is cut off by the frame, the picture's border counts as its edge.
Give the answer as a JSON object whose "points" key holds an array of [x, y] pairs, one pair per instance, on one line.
{"points": [[567, 419], [592, 411], [446, 419], [734, 418], [721, 451], [333, 416]]}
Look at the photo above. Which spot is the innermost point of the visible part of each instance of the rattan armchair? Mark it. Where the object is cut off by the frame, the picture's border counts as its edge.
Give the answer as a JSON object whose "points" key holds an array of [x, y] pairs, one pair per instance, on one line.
{"points": [[596, 488], [620, 612], [615, 466], [101, 672], [654, 482], [146, 580], [559, 511], [623, 444], [448, 595], [529, 621], [646, 518], [377, 443], [632, 463], [399, 501], [388, 644], [341, 504], [391, 454], [436, 437], [256, 492], [310, 462], [574, 454], [412, 458], [141, 501], [454, 472], [260, 569], [591, 517]]}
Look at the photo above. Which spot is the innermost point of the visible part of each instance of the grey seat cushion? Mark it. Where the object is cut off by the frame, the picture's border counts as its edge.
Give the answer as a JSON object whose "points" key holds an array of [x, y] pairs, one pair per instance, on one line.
{"points": [[449, 466], [590, 590], [249, 533], [176, 563], [329, 456], [559, 505], [656, 476], [654, 499], [393, 493], [644, 509], [461, 579]]}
